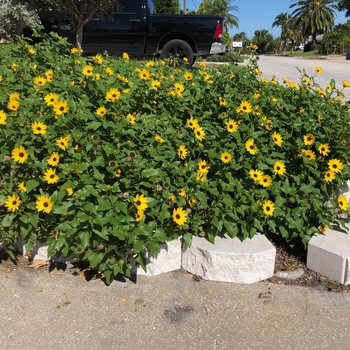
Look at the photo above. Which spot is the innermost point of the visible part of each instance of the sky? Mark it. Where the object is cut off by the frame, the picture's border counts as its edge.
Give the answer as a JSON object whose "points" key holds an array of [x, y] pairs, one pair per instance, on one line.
{"points": [[258, 14]]}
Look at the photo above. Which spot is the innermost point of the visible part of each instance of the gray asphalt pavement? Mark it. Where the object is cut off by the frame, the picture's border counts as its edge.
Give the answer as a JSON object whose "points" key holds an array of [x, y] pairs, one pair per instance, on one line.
{"points": [[334, 67], [41, 310]]}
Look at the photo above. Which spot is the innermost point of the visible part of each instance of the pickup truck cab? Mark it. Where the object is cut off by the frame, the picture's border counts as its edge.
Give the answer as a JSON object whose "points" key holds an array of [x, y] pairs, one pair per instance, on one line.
{"points": [[136, 28]]}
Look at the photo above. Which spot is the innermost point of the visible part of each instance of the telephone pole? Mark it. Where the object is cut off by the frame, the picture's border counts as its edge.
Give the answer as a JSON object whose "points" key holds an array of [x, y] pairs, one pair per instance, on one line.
{"points": [[185, 7]]}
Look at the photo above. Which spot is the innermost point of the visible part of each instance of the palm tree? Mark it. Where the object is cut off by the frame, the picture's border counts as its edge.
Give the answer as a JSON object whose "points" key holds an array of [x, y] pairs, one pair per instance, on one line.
{"points": [[314, 16], [281, 20], [222, 8]]}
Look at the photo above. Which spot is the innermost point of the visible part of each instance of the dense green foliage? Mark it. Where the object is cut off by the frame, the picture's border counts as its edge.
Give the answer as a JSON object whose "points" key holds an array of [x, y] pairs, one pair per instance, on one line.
{"points": [[167, 6], [106, 158]]}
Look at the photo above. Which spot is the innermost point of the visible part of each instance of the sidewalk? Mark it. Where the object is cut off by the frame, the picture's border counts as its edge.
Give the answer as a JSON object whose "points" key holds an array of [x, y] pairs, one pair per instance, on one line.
{"points": [[41, 310]]}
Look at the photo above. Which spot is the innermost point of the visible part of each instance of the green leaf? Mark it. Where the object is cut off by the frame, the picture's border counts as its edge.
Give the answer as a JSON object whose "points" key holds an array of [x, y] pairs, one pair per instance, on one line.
{"points": [[164, 214], [202, 197], [103, 204], [121, 207], [138, 246], [109, 276], [7, 221], [94, 258], [93, 125], [84, 238], [62, 209], [231, 228], [187, 237], [90, 208], [31, 184], [34, 219], [150, 172]]}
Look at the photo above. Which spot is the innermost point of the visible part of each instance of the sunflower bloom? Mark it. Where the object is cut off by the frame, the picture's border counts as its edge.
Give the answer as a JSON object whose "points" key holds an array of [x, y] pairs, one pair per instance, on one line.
{"points": [[139, 215], [182, 152], [50, 176], [22, 186], [318, 70], [62, 142], [192, 202], [40, 81], [144, 74], [310, 155], [179, 88], [19, 154], [61, 107], [335, 165], [88, 70], [125, 56], [201, 176], [179, 216], [222, 101], [155, 84], [226, 157], [268, 208], [277, 139], [43, 204], [181, 192], [265, 180], [188, 76], [2, 117], [14, 96], [101, 111], [69, 191], [192, 123], [343, 202], [279, 168], [309, 139], [113, 95], [231, 126], [245, 107], [13, 105], [255, 174], [54, 159], [159, 139], [140, 202], [51, 99], [324, 149], [39, 128], [199, 133], [12, 203], [250, 147], [329, 176], [203, 166]]}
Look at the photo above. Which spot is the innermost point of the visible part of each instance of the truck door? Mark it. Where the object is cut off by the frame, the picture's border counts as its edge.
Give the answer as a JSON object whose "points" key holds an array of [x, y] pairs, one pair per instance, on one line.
{"points": [[127, 31]]}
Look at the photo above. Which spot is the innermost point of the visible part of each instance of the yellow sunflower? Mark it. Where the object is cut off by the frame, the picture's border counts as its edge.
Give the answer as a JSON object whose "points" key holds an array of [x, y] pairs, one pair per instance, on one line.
{"points": [[40, 81], [182, 152], [61, 107], [324, 149], [268, 208], [109, 71], [125, 56], [346, 84], [250, 147], [179, 88], [54, 159], [245, 107], [156, 84], [226, 157], [98, 59], [199, 133], [310, 155], [139, 215], [329, 176], [88, 70], [277, 139], [51, 99], [309, 139], [39, 128], [13, 105], [201, 176], [69, 191], [318, 70], [113, 95], [22, 186], [19, 154], [192, 202], [231, 126], [14, 96], [188, 76], [179, 216], [181, 192], [255, 174], [140, 202], [335, 165], [192, 123], [159, 139], [101, 111], [12, 203], [44, 204], [144, 74], [222, 101], [203, 166], [131, 117], [343, 202], [322, 228], [50, 176], [62, 142], [2, 117], [265, 180], [279, 167], [118, 173]]}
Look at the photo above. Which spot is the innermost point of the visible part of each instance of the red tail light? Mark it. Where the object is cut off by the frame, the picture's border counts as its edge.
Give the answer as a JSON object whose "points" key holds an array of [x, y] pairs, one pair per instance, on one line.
{"points": [[218, 31]]}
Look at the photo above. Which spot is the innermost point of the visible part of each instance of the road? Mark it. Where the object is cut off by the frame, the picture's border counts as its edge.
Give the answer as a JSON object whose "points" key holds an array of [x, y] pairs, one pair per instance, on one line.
{"points": [[337, 68]]}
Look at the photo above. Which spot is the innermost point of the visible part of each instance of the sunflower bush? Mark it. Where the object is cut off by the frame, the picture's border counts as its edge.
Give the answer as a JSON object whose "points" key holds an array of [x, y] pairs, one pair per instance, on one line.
{"points": [[106, 158]]}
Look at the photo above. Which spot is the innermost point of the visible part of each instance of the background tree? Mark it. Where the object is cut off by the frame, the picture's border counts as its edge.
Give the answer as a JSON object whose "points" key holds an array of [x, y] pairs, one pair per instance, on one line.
{"points": [[314, 16], [281, 20], [14, 17], [264, 40], [344, 5], [167, 6], [337, 40], [222, 8], [79, 11]]}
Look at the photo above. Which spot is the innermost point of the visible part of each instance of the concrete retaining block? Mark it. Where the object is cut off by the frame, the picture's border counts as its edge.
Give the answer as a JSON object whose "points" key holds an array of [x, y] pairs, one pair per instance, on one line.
{"points": [[230, 260], [329, 254], [168, 259]]}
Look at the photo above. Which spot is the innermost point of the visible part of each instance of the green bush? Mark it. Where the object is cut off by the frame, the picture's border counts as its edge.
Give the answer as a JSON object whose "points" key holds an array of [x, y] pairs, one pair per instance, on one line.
{"points": [[229, 57], [105, 158]]}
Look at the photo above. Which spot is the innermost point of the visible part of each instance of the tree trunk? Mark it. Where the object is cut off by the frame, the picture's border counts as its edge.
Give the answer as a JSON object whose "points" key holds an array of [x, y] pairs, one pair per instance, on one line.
{"points": [[79, 35]]}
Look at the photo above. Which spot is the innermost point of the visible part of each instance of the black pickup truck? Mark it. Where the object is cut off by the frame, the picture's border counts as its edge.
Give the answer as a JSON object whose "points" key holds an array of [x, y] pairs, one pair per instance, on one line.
{"points": [[135, 28]]}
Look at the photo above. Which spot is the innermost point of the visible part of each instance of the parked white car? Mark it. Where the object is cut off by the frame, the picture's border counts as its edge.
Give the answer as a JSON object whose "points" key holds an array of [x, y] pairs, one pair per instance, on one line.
{"points": [[299, 47]]}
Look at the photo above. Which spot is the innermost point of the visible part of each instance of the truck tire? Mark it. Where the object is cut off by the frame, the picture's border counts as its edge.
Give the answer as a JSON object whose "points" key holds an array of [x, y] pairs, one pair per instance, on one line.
{"points": [[178, 49]]}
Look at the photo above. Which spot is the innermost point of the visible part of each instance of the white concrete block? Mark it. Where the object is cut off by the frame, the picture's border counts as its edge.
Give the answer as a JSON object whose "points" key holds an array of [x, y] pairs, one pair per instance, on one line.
{"points": [[329, 255], [230, 260], [168, 259]]}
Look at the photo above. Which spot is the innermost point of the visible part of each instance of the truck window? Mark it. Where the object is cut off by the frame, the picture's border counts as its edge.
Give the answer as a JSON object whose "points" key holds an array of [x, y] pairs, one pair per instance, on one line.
{"points": [[126, 6], [151, 8]]}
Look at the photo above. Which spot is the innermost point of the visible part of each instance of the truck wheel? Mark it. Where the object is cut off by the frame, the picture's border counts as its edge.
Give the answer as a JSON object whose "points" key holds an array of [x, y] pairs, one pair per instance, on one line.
{"points": [[178, 49]]}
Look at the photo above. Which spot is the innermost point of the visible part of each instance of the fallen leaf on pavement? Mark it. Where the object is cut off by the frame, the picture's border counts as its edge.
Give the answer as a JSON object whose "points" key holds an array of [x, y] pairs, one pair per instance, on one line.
{"points": [[36, 264]]}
